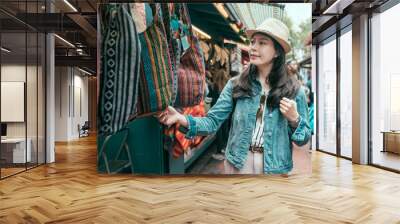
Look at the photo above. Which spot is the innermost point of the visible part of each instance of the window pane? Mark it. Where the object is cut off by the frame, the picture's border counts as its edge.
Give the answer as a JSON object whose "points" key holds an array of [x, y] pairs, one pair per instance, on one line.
{"points": [[31, 97], [385, 85], [13, 85], [327, 96], [41, 99], [346, 94]]}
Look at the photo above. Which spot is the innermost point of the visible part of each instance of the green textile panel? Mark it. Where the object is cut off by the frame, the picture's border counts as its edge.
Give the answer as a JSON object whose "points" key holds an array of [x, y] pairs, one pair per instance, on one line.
{"points": [[145, 144]]}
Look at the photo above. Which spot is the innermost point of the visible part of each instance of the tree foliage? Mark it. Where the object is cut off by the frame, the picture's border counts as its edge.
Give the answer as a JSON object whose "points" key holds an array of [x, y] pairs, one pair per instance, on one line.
{"points": [[297, 37]]}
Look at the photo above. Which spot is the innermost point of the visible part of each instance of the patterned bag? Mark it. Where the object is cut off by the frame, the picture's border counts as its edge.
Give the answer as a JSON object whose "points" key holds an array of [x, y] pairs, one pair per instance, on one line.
{"points": [[120, 63], [191, 71], [156, 74], [171, 24]]}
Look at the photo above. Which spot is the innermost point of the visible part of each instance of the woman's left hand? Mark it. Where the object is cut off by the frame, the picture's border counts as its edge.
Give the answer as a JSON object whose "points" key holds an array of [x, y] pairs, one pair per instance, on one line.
{"points": [[288, 108]]}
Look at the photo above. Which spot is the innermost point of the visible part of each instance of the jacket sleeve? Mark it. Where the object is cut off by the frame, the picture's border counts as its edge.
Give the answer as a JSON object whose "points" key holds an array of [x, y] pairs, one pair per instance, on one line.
{"points": [[302, 133], [215, 116]]}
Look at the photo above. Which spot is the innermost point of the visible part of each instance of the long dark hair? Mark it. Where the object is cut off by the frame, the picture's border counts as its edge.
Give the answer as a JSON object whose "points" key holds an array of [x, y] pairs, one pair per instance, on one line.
{"points": [[281, 84], [220, 79]]}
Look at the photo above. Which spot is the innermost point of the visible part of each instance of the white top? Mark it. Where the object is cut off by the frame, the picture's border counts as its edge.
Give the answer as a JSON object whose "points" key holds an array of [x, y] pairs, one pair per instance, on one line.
{"points": [[258, 132]]}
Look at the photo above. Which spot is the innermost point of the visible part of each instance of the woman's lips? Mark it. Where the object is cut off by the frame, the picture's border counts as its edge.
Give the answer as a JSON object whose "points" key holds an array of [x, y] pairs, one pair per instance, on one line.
{"points": [[254, 56]]}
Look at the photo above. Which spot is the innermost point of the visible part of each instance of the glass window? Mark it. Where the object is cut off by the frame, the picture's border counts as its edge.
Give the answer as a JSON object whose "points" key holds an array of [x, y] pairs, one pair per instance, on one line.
{"points": [[14, 153], [385, 85], [31, 96], [346, 94], [327, 96], [22, 91], [41, 99]]}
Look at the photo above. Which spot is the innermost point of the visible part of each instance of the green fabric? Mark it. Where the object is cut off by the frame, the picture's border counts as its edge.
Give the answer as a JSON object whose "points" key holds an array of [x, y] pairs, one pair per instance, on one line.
{"points": [[156, 74]]}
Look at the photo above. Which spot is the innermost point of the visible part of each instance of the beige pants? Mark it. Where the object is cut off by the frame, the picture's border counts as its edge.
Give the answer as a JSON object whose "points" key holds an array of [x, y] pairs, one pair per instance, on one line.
{"points": [[254, 165]]}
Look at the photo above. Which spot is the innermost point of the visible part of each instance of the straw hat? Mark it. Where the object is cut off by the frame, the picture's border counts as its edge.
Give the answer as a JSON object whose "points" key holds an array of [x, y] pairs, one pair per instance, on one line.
{"points": [[275, 29]]}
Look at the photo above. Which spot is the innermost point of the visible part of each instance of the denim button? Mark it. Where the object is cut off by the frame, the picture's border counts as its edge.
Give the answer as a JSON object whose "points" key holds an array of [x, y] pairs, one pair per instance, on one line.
{"points": [[269, 152], [269, 133], [270, 114]]}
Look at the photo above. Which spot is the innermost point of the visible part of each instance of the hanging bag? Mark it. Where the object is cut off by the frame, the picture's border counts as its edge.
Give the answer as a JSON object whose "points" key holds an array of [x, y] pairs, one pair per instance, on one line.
{"points": [[120, 63], [171, 24], [191, 70], [156, 73]]}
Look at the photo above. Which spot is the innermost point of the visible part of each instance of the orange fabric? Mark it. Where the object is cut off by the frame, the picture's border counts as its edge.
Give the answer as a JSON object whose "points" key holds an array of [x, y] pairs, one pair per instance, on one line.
{"points": [[182, 144]]}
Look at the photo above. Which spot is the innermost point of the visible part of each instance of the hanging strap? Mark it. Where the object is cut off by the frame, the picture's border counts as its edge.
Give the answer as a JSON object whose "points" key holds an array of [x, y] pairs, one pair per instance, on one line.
{"points": [[184, 12]]}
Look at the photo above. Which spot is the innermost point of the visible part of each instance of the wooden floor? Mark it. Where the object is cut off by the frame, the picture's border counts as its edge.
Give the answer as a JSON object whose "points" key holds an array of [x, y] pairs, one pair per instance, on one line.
{"points": [[5, 172], [71, 191], [8, 171], [387, 159]]}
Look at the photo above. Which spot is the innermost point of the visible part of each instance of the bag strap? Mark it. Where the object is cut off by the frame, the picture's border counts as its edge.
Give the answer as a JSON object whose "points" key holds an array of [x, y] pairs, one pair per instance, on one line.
{"points": [[157, 16], [155, 9], [171, 8], [184, 12]]}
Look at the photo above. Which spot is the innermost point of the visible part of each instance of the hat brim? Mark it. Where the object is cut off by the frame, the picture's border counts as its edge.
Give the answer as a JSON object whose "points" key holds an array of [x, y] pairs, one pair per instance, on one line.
{"points": [[285, 45]]}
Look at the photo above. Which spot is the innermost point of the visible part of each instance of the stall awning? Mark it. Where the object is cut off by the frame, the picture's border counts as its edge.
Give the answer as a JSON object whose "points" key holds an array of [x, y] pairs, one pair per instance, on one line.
{"points": [[206, 17]]}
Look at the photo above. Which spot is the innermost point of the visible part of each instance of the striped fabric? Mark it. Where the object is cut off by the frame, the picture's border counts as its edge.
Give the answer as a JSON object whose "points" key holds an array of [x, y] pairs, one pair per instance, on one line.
{"points": [[191, 71], [156, 74], [171, 28], [191, 79], [120, 63]]}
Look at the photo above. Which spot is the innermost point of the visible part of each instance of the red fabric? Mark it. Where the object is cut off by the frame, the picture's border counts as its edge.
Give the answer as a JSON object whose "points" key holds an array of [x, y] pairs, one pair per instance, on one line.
{"points": [[182, 144]]}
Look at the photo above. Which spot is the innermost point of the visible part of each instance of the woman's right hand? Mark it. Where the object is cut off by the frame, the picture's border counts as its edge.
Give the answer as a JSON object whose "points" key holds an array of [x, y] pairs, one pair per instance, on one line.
{"points": [[170, 116]]}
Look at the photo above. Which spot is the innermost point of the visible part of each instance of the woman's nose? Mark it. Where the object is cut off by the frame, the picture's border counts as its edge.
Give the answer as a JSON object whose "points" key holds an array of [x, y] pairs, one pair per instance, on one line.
{"points": [[252, 47]]}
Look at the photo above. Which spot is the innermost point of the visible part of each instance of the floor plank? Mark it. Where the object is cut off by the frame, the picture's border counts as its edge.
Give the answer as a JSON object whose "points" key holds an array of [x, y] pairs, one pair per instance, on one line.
{"points": [[387, 159], [71, 191]]}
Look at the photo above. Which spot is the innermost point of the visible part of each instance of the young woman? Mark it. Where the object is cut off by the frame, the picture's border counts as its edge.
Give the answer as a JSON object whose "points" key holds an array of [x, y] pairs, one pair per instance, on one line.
{"points": [[269, 108]]}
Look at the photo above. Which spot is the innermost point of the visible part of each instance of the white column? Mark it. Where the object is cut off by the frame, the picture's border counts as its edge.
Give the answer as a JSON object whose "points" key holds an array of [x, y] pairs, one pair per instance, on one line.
{"points": [[360, 90], [50, 94]]}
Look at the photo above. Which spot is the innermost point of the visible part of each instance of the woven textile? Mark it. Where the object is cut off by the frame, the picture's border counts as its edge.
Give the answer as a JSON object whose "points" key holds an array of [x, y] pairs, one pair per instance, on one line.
{"points": [[182, 144], [171, 24], [120, 63], [191, 70], [156, 74]]}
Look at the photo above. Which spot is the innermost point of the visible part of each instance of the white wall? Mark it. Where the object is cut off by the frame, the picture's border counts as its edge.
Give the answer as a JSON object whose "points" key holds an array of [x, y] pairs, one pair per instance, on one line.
{"points": [[80, 110], [61, 103], [71, 93]]}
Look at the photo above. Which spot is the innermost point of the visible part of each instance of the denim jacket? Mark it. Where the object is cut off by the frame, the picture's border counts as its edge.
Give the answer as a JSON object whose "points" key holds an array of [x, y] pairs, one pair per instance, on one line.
{"points": [[278, 135]]}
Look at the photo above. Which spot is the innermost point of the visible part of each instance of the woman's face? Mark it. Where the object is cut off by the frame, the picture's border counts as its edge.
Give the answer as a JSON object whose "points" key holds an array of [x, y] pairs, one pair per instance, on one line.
{"points": [[262, 50]]}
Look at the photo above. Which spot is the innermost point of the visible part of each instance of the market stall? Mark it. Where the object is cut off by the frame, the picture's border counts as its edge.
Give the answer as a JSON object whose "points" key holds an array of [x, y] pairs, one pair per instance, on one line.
{"points": [[152, 147]]}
